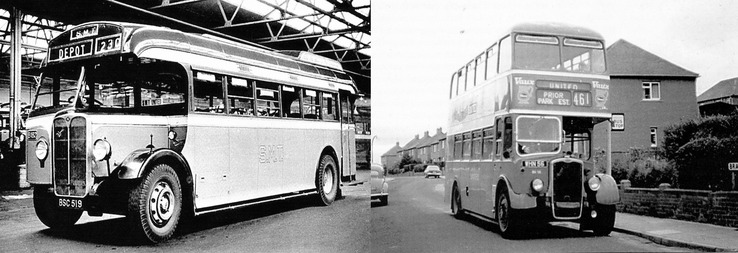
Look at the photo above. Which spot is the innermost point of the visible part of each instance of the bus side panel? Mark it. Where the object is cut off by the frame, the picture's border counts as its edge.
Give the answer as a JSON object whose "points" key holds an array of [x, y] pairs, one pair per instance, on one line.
{"points": [[206, 150], [490, 172], [243, 160], [475, 186], [458, 171]]}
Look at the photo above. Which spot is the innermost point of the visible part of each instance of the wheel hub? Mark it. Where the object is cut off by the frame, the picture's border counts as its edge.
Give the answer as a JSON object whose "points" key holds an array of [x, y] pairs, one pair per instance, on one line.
{"points": [[327, 179], [161, 203]]}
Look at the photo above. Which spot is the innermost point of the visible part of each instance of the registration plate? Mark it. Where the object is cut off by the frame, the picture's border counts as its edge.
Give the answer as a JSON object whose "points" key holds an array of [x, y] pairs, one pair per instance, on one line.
{"points": [[70, 203]]}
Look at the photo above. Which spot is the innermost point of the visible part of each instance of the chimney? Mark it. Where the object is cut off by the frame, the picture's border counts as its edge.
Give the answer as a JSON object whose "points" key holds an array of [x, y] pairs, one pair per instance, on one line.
{"points": [[439, 130], [417, 136], [426, 134], [397, 144]]}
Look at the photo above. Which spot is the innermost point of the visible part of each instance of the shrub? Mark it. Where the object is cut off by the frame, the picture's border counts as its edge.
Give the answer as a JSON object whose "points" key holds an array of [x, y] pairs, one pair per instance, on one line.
{"points": [[701, 150], [644, 168]]}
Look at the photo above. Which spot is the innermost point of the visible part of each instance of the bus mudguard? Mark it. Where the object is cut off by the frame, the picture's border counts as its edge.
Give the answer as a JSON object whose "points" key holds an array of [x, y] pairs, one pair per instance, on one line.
{"points": [[518, 201], [134, 165], [608, 193]]}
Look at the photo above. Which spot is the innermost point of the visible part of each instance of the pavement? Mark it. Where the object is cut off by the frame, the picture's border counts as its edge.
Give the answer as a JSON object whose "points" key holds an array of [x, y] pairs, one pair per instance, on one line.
{"points": [[668, 232]]}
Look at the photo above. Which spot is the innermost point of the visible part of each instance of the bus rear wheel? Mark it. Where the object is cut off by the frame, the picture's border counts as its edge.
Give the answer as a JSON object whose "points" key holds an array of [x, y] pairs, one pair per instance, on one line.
{"points": [[456, 207], [155, 205], [326, 180], [507, 221], [45, 206]]}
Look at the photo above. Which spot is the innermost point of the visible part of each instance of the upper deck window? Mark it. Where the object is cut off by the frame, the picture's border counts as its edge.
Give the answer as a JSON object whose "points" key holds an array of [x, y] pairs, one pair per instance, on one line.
{"points": [[587, 56], [537, 52]]}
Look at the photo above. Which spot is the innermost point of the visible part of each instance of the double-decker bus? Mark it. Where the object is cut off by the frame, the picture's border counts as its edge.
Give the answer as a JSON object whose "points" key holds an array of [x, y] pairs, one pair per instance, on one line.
{"points": [[526, 116], [157, 124]]}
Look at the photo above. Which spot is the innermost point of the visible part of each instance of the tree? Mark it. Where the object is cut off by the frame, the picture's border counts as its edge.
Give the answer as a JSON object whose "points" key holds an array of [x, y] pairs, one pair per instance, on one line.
{"points": [[407, 159]]}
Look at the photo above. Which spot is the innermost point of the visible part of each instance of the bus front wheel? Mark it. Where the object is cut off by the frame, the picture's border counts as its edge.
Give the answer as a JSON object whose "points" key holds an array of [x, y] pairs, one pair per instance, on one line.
{"points": [[507, 221], [326, 180], [45, 206], [605, 220], [155, 205]]}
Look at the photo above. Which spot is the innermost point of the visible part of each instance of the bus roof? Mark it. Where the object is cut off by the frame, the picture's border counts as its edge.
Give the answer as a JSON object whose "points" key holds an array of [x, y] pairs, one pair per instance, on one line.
{"points": [[137, 38], [556, 29]]}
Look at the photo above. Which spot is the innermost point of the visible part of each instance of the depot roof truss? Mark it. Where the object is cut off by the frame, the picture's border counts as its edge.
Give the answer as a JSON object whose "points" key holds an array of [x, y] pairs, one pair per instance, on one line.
{"points": [[36, 33], [318, 25]]}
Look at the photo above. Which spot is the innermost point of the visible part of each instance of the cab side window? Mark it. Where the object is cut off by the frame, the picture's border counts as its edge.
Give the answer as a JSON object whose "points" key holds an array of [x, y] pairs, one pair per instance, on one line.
{"points": [[507, 139], [329, 106]]}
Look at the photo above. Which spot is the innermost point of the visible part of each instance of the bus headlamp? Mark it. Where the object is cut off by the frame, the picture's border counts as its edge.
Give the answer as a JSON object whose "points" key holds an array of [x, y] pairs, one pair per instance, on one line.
{"points": [[537, 185], [101, 150], [594, 183], [42, 149]]}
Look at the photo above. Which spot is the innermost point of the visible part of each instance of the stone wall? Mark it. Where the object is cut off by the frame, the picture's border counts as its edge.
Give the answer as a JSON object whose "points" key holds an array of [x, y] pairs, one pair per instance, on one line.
{"points": [[720, 208]]}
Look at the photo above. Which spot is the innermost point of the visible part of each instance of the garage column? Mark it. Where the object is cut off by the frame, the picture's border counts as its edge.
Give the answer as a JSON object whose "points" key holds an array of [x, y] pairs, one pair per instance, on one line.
{"points": [[16, 18]]}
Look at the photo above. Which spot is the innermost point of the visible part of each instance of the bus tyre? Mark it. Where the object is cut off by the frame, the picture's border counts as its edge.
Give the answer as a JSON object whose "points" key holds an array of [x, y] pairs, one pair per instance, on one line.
{"points": [[326, 180], [44, 202], [456, 208], [507, 221], [603, 224], [155, 204]]}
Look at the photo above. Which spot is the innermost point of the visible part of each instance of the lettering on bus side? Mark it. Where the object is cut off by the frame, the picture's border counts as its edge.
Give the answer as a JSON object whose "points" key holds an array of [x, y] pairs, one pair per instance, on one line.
{"points": [[271, 153]]}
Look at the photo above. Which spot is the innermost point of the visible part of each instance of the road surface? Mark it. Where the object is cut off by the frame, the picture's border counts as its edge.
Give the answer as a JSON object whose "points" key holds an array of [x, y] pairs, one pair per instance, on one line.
{"points": [[417, 220]]}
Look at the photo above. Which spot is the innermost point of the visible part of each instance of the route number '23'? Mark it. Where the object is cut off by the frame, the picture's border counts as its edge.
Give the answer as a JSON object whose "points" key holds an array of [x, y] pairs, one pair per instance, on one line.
{"points": [[107, 44]]}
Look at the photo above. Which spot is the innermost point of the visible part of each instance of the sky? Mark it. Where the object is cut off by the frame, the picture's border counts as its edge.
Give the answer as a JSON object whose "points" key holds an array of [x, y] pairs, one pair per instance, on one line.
{"points": [[418, 44]]}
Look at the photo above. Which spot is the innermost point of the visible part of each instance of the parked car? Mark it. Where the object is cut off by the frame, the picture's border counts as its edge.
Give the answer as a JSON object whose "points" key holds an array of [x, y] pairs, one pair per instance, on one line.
{"points": [[432, 171], [379, 184]]}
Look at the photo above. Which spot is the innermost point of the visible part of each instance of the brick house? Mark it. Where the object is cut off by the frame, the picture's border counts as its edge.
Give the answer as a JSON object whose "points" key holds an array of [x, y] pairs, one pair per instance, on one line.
{"points": [[720, 99], [651, 93], [429, 149], [392, 157]]}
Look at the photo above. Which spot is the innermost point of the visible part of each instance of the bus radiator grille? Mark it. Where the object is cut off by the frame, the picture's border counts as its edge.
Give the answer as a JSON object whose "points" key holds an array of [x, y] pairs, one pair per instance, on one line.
{"points": [[70, 158]]}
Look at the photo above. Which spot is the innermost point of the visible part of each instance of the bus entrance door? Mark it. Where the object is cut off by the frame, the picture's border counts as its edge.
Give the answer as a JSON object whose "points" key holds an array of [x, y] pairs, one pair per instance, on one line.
{"points": [[348, 139]]}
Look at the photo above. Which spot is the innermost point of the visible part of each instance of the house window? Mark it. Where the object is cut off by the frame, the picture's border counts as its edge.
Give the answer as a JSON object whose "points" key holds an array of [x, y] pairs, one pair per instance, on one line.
{"points": [[654, 137], [651, 91]]}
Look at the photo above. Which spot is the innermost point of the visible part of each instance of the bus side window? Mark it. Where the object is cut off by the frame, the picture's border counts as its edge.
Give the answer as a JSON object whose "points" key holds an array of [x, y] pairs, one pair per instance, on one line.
{"points": [[491, 62], [451, 92], [311, 104], [505, 55], [458, 141], [488, 143], [480, 69], [329, 106], [467, 146], [507, 139], [267, 99], [240, 96], [291, 102], [498, 141], [208, 95], [477, 145]]}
